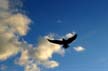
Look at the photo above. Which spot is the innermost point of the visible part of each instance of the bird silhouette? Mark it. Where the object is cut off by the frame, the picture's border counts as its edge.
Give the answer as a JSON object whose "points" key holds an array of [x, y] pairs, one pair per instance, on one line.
{"points": [[64, 42]]}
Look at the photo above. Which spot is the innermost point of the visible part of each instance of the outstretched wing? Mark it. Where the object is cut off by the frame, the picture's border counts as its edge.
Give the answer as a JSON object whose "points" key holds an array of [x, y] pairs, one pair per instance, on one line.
{"points": [[69, 40], [56, 41]]}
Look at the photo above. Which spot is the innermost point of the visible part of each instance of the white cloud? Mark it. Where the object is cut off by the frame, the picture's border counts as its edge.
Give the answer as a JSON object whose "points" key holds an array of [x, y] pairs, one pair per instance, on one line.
{"points": [[32, 67], [70, 35], [8, 46], [39, 55], [10, 25], [51, 64], [45, 49], [4, 4], [24, 57], [19, 23], [79, 48]]}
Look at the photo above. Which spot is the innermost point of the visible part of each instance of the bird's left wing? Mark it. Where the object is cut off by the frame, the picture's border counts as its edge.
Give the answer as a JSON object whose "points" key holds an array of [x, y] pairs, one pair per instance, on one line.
{"points": [[56, 41]]}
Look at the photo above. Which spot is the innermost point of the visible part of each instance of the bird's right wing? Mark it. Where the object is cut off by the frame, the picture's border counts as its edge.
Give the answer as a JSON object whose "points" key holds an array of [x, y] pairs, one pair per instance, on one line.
{"points": [[72, 38], [56, 41]]}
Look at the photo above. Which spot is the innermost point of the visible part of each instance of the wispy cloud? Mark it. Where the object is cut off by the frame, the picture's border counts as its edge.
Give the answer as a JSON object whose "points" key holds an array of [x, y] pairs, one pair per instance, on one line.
{"points": [[102, 60], [59, 21], [79, 48]]}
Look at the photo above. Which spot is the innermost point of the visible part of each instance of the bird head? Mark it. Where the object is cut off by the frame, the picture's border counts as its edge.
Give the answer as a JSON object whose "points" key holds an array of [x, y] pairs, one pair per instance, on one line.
{"points": [[63, 39]]}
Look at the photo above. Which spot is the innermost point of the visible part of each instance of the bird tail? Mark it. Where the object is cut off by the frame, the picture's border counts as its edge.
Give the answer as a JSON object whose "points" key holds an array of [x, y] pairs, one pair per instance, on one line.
{"points": [[65, 46]]}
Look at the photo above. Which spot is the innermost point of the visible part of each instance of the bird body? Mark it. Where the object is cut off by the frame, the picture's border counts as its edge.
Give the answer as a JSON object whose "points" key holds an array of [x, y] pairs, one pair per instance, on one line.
{"points": [[64, 42]]}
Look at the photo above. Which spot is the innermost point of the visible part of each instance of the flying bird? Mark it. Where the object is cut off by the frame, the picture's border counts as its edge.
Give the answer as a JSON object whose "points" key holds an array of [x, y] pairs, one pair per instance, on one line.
{"points": [[64, 42]]}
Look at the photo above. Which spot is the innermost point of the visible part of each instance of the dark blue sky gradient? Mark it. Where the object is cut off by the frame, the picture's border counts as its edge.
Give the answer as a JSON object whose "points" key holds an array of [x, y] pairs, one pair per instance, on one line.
{"points": [[88, 18]]}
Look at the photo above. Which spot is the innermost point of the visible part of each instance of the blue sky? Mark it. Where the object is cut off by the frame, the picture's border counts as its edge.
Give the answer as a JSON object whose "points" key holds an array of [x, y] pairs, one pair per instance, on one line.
{"points": [[88, 18]]}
